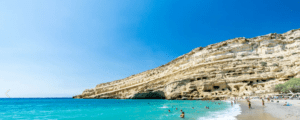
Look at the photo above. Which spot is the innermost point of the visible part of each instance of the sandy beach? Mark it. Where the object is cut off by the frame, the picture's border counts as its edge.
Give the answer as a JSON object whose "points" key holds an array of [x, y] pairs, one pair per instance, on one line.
{"points": [[271, 111]]}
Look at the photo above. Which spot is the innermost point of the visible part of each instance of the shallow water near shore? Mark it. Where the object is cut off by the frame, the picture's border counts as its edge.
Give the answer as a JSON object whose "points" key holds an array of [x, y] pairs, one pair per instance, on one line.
{"points": [[114, 109]]}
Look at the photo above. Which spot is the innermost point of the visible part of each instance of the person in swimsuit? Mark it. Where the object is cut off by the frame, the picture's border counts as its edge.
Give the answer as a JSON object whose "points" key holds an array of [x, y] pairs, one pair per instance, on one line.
{"points": [[263, 102], [169, 110], [182, 115], [249, 104]]}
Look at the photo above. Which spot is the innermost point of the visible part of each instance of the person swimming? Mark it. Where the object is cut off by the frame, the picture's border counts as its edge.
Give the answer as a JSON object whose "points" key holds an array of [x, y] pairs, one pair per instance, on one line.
{"points": [[193, 107], [176, 108], [181, 110], [169, 110], [182, 115]]}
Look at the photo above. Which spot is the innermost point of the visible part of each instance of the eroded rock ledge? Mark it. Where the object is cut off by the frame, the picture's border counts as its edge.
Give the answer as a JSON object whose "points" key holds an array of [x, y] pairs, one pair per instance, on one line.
{"points": [[235, 67]]}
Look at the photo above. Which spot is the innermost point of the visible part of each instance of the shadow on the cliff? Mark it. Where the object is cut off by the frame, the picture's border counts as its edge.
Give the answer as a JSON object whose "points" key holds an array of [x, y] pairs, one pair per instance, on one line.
{"points": [[150, 95]]}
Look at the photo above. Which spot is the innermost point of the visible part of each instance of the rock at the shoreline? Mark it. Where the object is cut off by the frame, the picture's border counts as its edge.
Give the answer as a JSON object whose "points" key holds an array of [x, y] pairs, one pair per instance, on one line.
{"points": [[232, 68]]}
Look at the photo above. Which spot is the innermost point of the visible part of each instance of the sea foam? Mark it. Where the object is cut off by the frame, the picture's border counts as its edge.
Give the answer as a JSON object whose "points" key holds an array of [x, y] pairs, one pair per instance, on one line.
{"points": [[227, 114]]}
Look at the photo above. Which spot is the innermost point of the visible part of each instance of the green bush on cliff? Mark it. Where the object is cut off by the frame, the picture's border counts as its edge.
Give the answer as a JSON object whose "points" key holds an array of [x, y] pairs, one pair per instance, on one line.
{"points": [[293, 85]]}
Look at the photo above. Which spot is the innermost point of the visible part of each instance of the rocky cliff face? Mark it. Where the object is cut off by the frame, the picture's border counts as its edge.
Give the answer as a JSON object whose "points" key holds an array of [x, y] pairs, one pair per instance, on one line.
{"points": [[236, 67]]}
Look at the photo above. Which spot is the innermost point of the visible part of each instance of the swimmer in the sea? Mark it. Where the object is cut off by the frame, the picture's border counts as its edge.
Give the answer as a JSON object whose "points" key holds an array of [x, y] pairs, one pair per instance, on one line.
{"points": [[169, 110], [182, 115]]}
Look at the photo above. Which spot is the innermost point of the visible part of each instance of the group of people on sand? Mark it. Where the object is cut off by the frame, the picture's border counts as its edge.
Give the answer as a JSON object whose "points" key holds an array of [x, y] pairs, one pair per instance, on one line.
{"points": [[286, 104]]}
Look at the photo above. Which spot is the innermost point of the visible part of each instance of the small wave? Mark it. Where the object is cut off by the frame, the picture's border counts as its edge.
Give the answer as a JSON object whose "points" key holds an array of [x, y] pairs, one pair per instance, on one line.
{"points": [[164, 107], [227, 114]]}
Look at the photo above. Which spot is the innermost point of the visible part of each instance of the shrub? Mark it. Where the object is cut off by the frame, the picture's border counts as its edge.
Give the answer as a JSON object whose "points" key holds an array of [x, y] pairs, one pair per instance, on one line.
{"points": [[275, 64], [263, 63], [293, 85]]}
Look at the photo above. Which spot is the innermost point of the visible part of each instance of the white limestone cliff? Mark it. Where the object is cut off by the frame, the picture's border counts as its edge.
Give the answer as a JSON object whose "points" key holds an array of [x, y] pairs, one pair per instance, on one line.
{"points": [[235, 67]]}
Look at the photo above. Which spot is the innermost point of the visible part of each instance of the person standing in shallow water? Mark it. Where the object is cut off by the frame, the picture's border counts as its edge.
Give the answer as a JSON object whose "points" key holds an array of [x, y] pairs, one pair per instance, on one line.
{"points": [[263, 102], [249, 104], [231, 103], [182, 115]]}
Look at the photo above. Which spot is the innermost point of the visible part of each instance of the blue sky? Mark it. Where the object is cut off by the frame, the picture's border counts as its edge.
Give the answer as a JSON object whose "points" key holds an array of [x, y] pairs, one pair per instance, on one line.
{"points": [[59, 48]]}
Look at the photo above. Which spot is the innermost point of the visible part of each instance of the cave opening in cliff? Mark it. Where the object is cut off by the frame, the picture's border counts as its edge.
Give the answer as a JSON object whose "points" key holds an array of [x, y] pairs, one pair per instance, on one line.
{"points": [[237, 87], [154, 95], [229, 88], [207, 90], [216, 87], [204, 78], [180, 96], [150, 95], [251, 83]]}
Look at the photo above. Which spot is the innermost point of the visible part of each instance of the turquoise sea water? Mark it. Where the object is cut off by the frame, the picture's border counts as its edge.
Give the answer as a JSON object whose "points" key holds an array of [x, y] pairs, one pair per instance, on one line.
{"points": [[114, 109]]}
